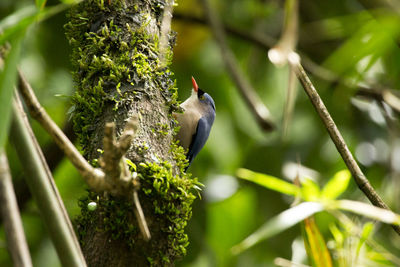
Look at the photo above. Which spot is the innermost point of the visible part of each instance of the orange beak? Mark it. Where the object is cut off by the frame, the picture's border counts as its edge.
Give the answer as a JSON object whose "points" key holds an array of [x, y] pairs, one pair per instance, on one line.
{"points": [[195, 87]]}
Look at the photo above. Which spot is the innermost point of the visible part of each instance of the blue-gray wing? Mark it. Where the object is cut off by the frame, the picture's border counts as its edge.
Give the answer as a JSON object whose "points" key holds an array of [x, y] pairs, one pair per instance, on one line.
{"points": [[199, 138]]}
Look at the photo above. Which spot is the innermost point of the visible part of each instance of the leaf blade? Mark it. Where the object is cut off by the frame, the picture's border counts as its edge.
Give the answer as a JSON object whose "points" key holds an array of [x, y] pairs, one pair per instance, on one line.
{"points": [[268, 181], [318, 251], [337, 185], [7, 83], [367, 210], [279, 223]]}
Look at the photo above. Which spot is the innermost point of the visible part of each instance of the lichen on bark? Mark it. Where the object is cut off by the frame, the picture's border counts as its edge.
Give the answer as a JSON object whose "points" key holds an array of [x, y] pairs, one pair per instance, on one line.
{"points": [[117, 73]]}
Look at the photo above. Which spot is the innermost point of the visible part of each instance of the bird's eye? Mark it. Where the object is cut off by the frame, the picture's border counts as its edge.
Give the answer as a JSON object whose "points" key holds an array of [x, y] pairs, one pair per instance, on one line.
{"points": [[202, 97]]}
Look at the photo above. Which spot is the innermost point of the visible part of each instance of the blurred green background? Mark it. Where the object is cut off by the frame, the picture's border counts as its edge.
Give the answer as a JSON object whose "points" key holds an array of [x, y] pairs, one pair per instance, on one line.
{"points": [[357, 42]]}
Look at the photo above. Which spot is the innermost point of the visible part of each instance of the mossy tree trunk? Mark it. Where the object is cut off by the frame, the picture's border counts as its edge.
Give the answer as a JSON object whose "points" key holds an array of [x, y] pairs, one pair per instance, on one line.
{"points": [[117, 74]]}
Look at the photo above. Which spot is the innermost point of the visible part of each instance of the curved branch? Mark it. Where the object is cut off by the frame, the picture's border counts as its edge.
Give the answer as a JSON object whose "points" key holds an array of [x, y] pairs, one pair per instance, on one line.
{"points": [[248, 93], [334, 133]]}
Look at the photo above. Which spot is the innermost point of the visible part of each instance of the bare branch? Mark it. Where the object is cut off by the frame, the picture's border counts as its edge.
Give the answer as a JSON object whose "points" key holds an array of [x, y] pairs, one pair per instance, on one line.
{"points": [[338, 140], [265, 42], [12, 220], [389, 96], [115, 167], [252, 100], [116, 178], [95, 178], [113, 161]]}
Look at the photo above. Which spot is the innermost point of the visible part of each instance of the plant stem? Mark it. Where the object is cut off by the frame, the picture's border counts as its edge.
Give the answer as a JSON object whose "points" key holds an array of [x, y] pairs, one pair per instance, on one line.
{"points": [[11, 218], [63, 237]]}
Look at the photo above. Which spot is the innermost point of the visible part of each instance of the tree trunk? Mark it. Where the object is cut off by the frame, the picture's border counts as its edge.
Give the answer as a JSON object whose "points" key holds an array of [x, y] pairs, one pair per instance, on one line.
{"points": [[117, 73]]}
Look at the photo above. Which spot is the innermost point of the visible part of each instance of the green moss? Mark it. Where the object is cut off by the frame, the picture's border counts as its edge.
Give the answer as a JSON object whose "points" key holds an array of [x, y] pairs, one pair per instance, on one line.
{"points": [[172, 195], [116, 216], [112, 60]]}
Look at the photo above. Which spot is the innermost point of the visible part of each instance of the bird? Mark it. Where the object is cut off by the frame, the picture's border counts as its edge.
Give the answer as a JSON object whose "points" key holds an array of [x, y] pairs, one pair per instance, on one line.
{"points": [[195, 122]]}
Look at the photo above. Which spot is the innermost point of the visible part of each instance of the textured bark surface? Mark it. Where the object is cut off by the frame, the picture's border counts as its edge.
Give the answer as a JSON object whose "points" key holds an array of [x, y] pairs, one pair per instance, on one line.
{"points": [[116, 58]]}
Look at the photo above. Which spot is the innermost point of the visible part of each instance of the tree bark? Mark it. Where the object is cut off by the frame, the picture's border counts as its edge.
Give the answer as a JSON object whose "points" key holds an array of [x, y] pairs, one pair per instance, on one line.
{"points": [[117, 74]]}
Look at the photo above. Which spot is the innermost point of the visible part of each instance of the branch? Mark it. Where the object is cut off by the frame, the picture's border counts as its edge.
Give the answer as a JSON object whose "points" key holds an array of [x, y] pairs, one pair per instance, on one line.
{"points": [[114, 176], [115, 167], [265, 42], [50, 206], [95, 178], [252, 100], [144, 229], [337, 138], [262, 40], [381, 95], [12, 219]]}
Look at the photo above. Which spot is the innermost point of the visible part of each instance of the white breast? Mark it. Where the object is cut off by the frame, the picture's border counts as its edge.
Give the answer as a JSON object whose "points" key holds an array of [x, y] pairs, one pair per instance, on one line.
{"points": [[188, 120]]}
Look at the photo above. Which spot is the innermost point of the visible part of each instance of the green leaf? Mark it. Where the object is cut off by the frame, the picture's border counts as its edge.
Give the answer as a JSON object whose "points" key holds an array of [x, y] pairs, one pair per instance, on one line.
{"points": [[279, 223], [368, 210], [21, 19], [17, 22], [131, 164], [268, 181], [337, 235], [40, 4], [7, 83], [365, 234], [310, 190], [375, 38], [337, 185], [316, 247]]}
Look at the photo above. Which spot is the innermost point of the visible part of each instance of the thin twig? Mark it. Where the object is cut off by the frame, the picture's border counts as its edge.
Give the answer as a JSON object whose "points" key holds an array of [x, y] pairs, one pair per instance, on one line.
{"points": [[288, 41], [386, 95], [11, 218], [265, 42], [144, 229], [279, 53], [114, 176], [262, 40], [338, 140], [67, 248], [116, 180], [114, 165], [252, 100], [291, 95], [95, 178]]}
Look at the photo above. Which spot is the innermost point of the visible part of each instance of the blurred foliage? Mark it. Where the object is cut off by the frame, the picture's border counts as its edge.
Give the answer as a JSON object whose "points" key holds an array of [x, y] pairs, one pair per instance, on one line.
{"points": [[356, 40]]}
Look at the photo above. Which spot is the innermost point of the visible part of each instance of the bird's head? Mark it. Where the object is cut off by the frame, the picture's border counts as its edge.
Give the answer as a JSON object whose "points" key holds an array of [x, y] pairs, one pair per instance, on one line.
{"points": [[204, 99]]}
